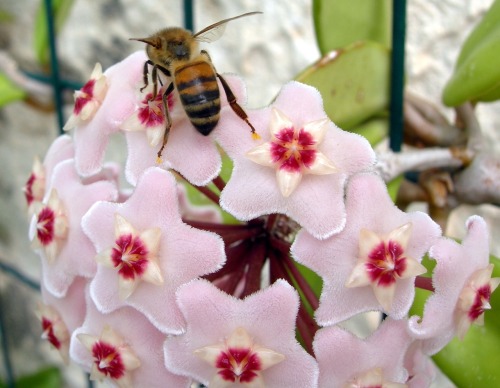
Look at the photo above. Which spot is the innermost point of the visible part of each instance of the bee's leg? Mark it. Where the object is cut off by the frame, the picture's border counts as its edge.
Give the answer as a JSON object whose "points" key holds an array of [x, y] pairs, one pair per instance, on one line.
{"points": [[154, 77], [231, 98], [164, 71], [168, 123], [145, 73]]}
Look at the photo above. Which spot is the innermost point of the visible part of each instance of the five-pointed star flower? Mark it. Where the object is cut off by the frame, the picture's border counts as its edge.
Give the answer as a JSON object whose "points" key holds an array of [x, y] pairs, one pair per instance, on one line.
{"points": [[36, 185], [122, 348], [92, 135], [372, 263], [66, 251], [250, 341], [303, 159], [462, 288], [59, 317], [88, 99], [159, 248], [348, 361]]}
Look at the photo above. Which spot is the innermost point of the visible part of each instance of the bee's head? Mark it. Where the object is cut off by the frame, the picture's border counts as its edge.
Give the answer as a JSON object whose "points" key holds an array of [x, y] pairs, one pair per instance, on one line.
{"points": [[170, 44]]}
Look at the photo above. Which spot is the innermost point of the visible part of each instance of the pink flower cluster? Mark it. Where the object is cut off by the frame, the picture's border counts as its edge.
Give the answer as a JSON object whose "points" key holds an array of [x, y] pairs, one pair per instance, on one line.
{"points": [[141, 288]]}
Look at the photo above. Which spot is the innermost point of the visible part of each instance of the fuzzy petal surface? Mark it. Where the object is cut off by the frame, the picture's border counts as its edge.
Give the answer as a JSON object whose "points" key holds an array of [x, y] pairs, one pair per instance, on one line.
{"points": [[70, 313], [36, 186], [75, 257], [133, 329], [91, 137], [455, 263], [368, 207], [189, 152], [184, 252], [342, 356], [348, 152], [268, 317]]}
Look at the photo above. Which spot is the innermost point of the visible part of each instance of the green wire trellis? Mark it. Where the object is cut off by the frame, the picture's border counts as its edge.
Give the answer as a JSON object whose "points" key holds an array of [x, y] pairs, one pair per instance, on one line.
{"points": [[60, 84]]}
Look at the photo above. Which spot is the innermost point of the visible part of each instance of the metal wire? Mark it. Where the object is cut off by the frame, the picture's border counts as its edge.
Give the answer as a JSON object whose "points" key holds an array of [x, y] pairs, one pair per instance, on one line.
{"points": [[397, 74], [54, 65]]}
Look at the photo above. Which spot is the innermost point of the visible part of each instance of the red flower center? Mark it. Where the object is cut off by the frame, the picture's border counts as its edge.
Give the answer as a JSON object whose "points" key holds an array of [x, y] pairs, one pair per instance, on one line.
{"points": [[28, 189], [238, 365], [151, 113], [483, 295], [129, 255], [108, 360], [293, 150], [84, 95], [385, 263], [48, 330], [45, 226]]}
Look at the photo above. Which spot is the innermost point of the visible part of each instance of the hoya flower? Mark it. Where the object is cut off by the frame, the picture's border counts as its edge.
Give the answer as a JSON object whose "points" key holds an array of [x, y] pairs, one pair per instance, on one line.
{"points": [[34, 190], [112, 357], [348, 361], [146, 251], [373, 262], [149, 115], [302, 159], [293, 151], [92, 135], [54, 329], [234, 342], [192, 154], [60, 316], [122, 348], [50, 227], [462, 288], [134, 255], [65, 250], [88, 99], [35, 187]]}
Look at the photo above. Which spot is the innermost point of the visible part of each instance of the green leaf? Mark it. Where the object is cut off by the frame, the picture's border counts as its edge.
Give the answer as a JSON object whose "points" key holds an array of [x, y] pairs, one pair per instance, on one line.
{"points": [[339, 23], [354, 82], [486, 26], [477, 71], [374, 130], [393, 187], [9, 91], [478, 75], [311, 277], [61, 9], [45, 378]]}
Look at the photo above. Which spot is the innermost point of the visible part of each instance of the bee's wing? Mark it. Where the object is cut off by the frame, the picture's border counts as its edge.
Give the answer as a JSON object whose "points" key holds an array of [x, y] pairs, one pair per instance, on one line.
{"points": [[216, 30]]}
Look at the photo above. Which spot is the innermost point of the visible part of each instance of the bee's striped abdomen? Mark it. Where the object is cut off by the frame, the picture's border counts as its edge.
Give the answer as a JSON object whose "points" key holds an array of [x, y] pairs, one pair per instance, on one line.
{"points": [[199, 93]]}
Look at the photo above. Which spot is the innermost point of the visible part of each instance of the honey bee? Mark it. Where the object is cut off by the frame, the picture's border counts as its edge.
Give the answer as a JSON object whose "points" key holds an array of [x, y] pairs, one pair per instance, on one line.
{"points": [[175, 52]]}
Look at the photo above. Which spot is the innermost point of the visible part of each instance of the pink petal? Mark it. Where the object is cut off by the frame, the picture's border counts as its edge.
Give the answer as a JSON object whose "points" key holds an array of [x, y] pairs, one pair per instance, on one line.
{"points": [[184, 252], [455, 263], [348, 153], [143, 338], [91, 138], [195, 156], [268, 316], [76, 255], [342, 356], [335, 258]]}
